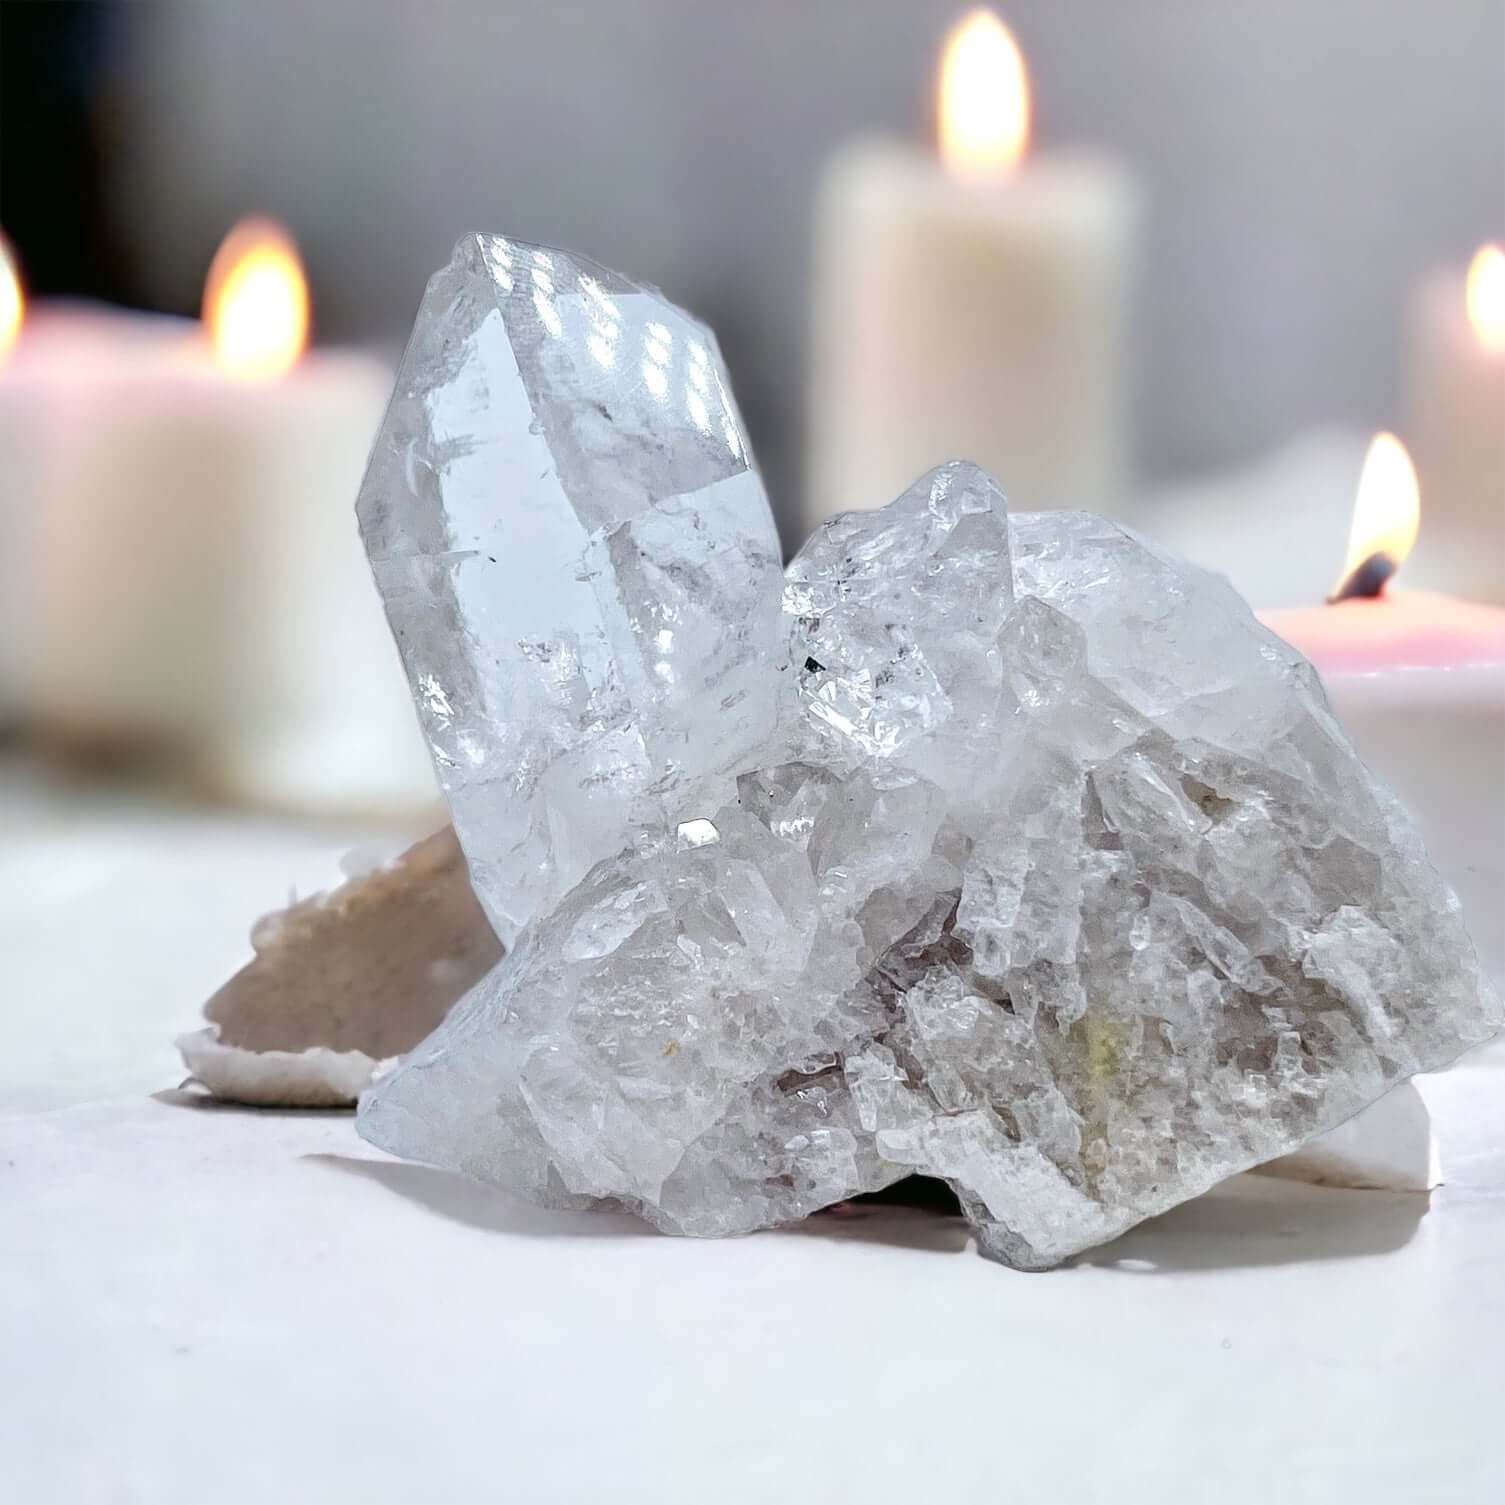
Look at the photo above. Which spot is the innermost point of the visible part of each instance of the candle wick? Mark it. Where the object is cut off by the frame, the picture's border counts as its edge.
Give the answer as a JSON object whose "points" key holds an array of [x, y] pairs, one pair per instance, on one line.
{"points": [[1367, 581]]}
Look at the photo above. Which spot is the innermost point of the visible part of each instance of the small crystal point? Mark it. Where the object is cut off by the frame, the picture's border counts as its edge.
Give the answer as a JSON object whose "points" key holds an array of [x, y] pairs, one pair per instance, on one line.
{"points": [[1011, 851]]}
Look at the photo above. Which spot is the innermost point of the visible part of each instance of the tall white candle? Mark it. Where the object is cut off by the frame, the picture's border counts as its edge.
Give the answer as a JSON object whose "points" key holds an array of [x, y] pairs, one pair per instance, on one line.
{"points": [[197, 589], [971, 307], [1458, 427]]}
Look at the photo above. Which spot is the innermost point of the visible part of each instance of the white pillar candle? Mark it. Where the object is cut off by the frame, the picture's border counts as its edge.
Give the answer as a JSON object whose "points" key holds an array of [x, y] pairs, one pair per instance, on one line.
{"points": [[1458, 427], [971, 307], [197, 584], [44, 374]]}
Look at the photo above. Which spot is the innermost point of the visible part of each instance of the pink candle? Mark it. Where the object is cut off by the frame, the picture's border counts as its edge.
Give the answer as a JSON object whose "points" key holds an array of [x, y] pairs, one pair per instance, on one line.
{"points": [[1393, 633], [1418, 681]]}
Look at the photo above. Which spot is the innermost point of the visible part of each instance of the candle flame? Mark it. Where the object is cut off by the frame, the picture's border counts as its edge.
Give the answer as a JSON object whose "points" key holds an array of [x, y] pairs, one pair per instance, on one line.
{"points": [[1386, 514], [256, 301], [12, 299], [1486, 296], [984, 98]]}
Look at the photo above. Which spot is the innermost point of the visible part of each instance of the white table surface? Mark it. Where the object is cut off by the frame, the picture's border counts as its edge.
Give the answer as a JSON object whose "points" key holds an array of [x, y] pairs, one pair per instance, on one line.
{"points": [[213, 1305]]}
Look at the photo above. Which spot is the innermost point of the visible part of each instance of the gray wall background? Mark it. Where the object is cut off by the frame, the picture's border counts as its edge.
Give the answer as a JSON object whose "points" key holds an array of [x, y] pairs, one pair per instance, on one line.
{"points": [[1304, 163]]}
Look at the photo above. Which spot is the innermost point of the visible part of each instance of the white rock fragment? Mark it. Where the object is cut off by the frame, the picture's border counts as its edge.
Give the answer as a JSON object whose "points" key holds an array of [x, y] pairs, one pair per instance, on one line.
{"points": [[1388, 1147], [1039, 866], [310, 1078], [344, 982]]}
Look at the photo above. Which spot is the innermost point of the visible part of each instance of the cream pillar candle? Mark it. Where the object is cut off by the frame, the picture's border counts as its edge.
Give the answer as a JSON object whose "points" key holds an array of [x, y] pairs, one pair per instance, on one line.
{"points": [[45, 366], [199, 590], [971, 307], [1458, 423]]}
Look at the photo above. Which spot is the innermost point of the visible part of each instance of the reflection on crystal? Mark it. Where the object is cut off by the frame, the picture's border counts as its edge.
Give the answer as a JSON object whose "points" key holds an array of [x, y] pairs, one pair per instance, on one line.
{"points": [[499, 257], [537, 523], [1006, 850]]}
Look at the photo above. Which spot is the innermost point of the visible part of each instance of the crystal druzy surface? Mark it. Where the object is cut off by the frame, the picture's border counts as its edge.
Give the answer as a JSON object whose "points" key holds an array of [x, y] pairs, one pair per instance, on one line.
{"points": [[1011, 851]]}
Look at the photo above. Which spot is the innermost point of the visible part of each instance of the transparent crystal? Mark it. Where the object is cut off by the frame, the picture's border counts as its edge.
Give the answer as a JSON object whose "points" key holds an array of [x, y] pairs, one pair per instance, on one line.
{"points": [[576, 556], [1009, 851]]}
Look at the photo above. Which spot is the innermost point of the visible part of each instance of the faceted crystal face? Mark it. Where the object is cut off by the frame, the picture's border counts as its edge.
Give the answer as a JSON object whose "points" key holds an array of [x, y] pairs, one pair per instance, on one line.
{"points": [[896, 620], [576, 556], [1042, 868]]}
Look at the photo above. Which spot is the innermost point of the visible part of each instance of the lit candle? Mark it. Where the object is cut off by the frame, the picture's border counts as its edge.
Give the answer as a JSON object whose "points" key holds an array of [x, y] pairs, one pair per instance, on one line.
{"points": [[16, 484], [970, 307], [1418, 681], [198, 587], [1458, 421], [10, 299]]}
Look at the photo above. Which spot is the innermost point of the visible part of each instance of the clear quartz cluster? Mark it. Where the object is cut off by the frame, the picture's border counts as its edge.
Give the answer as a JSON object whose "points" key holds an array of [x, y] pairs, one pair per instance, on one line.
{"points": [[1006, 850]]}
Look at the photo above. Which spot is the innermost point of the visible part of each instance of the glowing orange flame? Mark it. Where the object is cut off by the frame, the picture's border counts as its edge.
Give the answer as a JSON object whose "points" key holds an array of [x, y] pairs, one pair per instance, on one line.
{"points": [[12, 299], [1486, 296], [1386, 514], [256, 301], [984, 98]]}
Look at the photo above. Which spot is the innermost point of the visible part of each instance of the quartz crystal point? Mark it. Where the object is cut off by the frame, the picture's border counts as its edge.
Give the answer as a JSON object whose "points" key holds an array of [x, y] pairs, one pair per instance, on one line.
{"points": [[576, 557], [1010, 851]]}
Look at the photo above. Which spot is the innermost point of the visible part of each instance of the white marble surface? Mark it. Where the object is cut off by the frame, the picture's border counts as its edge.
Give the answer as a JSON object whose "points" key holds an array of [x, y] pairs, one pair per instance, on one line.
{"points": [[207, 1304]]}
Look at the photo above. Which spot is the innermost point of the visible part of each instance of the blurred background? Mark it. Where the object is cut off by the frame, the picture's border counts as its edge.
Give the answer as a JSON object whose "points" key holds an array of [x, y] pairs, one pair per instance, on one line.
{"points": [[1303, 167], [1235, 248], [1177, 260]]}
